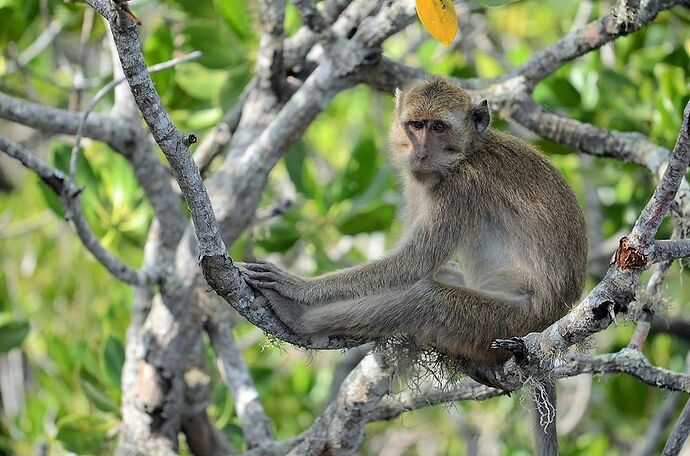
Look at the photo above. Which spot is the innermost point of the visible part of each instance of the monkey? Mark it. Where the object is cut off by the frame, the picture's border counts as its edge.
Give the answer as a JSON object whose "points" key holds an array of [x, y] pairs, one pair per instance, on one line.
{"points": [[472, 194]]}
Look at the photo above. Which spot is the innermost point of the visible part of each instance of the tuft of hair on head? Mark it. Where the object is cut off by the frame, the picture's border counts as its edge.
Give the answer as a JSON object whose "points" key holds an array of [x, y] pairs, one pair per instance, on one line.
{"points": [[437, 86], [399, 95]]}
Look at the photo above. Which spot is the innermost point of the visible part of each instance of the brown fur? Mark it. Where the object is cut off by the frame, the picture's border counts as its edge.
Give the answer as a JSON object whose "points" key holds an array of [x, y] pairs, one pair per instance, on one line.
{"points": [[473, 194]]}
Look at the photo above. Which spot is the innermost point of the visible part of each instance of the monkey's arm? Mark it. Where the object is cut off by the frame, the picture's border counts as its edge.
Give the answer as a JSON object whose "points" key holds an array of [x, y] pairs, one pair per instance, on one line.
{"points": [[457, 320], [426, 248]]}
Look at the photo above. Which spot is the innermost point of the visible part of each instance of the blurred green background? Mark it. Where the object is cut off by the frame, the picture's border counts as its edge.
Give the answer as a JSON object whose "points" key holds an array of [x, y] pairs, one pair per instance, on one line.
{"points": [[63, 317]]}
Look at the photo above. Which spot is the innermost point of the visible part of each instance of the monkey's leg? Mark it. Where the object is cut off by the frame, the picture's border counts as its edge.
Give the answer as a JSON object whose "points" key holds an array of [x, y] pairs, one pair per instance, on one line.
{"points": [[457, 320], [449, 274]]}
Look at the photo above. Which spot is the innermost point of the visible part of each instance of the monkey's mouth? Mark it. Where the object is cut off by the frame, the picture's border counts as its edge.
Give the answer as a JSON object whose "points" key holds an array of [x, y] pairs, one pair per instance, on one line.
{"points": [[416, 164], [423, 172]]}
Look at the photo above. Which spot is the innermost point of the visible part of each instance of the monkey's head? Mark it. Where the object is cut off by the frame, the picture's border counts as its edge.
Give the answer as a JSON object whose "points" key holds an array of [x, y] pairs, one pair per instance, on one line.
{"points": [[435, 127]]}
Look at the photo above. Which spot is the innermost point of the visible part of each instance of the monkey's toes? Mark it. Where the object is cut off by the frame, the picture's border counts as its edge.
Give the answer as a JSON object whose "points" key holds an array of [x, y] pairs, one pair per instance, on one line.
{"points": [[515, 345]]}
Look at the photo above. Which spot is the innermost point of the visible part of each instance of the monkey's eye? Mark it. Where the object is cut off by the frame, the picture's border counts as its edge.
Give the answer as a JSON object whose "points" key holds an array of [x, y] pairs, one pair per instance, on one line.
{"points": [[416, 124], [438, 127]]}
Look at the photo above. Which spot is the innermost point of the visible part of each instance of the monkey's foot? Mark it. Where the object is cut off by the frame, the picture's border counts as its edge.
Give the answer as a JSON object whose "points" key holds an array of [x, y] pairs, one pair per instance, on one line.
{"points": [[515, 345]]}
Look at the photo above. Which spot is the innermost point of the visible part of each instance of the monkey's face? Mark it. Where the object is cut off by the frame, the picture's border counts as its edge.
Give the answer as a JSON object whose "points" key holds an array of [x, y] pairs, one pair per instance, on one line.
{"points": [[433, 150], [436, 124]]}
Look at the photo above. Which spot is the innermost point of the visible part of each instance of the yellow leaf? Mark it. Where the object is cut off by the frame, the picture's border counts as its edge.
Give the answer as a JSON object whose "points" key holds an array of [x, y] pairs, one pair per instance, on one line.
{"points": [[438, 17]]}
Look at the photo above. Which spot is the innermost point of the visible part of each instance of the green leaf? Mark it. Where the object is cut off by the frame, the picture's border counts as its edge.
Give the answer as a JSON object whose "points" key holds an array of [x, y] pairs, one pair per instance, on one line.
{"points": [[235, 14], [374, 216], [282, 234], [301, 171], [360, 170], [487, 66], [82, 433], [159, 47], [12, 332], [198, 81], [204, 118], [565, 93], [207, 36], [62, 153], [51, 199], [196, 8], [98, 398], [302, 380], [86, 177], [112, 360], [294, 163]]}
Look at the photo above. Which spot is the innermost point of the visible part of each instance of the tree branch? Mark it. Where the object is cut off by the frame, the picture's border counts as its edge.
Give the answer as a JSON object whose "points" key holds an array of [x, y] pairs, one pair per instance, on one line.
{"points": [[625, 17], [660, 421], [679, 434], [52, 120], [105, 90], [391, 407], [629, 361], [64, 187], [255, 424], [667, 250], [270, 72]]}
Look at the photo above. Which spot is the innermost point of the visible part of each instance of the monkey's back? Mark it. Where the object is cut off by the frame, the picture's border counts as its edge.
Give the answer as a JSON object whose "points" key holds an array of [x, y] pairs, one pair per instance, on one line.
{"points": [[534, 215]]}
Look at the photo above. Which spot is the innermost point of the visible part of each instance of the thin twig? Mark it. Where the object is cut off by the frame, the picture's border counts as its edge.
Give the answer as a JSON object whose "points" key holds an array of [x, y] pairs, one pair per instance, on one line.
{"points": [[69, 194], [679, 434], [34, 49], [660, 420], [105, 90], [235, 374]]}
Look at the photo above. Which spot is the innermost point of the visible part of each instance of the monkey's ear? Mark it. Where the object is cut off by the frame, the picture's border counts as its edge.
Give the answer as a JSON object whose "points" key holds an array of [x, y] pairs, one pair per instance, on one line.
{"points": [[399, 94], [481, 116]]}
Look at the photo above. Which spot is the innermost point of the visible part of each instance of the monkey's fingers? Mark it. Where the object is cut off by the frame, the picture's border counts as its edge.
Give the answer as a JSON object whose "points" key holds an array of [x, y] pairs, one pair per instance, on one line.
{"points": [[261, 276], [243, 271], [251, 268], [253, 279], [259, 266], [259, 283]]}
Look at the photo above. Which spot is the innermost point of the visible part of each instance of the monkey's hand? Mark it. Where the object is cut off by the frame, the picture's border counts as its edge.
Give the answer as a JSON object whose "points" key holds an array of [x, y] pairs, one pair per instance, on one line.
{"points": [[266, 276], [290, 312]]}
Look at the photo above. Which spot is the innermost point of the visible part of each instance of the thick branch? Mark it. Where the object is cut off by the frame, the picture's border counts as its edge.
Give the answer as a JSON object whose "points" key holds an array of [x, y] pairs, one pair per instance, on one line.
{"points": [[626, 146], [655, 210], [340, 428], [173, 143], [270, 72], [52, 120], [311, 16]]}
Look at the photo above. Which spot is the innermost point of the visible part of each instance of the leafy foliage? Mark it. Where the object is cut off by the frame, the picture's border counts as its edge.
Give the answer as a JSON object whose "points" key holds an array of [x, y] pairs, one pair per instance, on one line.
{"points": [[68, 317]]}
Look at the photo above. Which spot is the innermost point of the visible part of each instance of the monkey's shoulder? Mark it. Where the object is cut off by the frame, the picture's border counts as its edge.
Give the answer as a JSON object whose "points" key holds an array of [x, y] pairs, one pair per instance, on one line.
{"points": [[511, 158]]}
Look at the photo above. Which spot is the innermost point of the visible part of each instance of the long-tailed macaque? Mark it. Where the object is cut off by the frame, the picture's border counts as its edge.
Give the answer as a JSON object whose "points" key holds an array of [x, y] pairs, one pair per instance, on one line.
{"points": [[472, 194]]}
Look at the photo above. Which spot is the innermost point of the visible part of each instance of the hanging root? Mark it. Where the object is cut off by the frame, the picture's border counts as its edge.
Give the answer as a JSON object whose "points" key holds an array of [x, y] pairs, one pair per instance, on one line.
{"points": [[542, 402]]}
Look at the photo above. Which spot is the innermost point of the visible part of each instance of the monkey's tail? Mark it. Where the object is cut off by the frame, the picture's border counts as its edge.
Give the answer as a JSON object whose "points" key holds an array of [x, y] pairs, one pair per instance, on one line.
{"points": [[544, 418]]}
